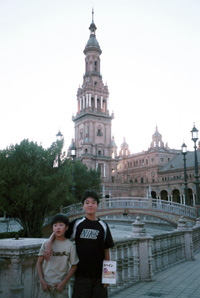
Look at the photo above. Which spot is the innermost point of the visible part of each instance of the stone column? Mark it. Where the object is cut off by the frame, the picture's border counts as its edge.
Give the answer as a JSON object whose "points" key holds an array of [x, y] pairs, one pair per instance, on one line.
{"points": [[101, 102], [16, 288], [86, 100], [104, 170], [95, 101], [188, 243], [107, 103], [90, 95], [144, 251], [194, 203]]}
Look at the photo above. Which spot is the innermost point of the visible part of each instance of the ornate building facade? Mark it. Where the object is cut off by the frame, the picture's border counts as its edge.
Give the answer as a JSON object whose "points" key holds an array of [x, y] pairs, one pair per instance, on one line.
{"points": [[157, 172]]}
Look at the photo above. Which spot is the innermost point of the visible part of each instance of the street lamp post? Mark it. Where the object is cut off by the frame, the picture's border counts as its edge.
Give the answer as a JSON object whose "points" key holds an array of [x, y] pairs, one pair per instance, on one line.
{"points": [[73, 155], [59, 140], [195, 137], [184, 152]]}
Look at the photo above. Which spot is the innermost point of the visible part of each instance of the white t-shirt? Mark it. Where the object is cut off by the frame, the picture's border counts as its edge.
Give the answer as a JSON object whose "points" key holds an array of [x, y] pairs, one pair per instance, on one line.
{"points": [[64, 255]]}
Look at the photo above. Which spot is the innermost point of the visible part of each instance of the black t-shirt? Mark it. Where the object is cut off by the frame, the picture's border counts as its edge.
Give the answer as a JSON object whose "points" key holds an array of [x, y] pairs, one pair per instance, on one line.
{"points": [[91, 238]]}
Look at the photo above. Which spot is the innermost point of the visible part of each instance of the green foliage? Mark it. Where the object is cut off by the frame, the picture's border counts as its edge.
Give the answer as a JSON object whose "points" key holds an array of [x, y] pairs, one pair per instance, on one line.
{"points": [[30, 187], [85, 179], [35, 182]]}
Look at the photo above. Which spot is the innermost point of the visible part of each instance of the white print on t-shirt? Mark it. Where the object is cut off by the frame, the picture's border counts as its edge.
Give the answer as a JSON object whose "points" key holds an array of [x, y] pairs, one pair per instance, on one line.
{"points": [[89, 234]]}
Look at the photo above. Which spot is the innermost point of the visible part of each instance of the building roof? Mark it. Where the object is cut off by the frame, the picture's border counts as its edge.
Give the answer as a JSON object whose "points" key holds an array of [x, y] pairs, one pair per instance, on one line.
{"points": [[177, 162], [92, 43]]}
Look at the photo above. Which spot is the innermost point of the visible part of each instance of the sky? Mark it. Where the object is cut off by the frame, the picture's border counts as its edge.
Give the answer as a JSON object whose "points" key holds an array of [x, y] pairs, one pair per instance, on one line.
{"points": [[150, 61]]}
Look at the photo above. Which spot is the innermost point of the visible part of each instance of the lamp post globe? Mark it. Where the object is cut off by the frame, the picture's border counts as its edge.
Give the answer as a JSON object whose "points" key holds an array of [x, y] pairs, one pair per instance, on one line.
{"points": [[194, 132], [59, 136]]}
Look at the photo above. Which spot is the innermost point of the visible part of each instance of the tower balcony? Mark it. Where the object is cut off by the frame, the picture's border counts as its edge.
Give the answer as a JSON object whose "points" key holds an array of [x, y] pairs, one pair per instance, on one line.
{"points": [[92, 112]]}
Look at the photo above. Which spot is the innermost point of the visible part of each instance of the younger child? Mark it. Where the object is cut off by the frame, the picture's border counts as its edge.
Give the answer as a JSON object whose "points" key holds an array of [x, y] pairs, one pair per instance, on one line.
{"points": [[55, 274]]}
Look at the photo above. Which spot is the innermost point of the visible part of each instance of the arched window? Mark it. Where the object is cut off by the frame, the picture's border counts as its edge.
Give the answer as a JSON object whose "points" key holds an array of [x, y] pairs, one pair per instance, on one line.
{"points": [[95, 65]]}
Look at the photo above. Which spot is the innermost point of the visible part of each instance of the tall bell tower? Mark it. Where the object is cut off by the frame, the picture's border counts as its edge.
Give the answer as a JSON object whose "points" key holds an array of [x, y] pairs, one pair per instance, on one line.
{"points": [[95, 146]]}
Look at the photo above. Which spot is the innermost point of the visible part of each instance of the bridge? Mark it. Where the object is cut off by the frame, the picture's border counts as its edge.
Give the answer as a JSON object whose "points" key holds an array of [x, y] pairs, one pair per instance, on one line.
{"points": [[159, 209], [126, 209]]}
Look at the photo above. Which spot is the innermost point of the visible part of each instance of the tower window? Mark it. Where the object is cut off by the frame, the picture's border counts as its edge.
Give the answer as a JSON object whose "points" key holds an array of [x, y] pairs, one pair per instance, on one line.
{"points": [[81, 134], [99, 152], [95, 83], [95, 66], [99, 132]]}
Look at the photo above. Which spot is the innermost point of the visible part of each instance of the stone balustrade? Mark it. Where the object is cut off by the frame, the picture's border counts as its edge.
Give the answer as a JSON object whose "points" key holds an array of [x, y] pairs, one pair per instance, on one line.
{"points": [[139, 257]]}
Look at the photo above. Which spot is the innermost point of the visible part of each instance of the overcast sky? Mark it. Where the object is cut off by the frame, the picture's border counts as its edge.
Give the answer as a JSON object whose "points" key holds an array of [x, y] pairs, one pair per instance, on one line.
{"points": [[150, 61]]}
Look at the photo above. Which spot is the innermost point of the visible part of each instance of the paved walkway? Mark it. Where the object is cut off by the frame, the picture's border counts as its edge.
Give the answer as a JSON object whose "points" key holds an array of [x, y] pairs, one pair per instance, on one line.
{"points": [[180, 281]]}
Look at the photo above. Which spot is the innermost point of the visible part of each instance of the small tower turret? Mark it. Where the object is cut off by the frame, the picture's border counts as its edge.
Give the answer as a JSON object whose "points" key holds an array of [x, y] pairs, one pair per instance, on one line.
{"points": [[157, 139], [124, 151]]}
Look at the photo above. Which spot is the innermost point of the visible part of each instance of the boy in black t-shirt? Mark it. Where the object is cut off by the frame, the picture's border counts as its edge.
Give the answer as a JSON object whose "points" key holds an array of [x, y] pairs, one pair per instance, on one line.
{"points": [[93, 240]]}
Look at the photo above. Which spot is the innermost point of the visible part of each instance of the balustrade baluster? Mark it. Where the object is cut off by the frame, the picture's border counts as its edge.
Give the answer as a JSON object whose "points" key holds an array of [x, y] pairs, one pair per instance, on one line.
{"points": [[113, 257], [17, 288], [150, 261], [130, 261], [119, 265], [136, 260], [125, 263]]}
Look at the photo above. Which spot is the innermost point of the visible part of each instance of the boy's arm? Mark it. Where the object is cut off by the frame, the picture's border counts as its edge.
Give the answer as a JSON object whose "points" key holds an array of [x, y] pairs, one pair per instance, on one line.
{"points": [[107, 254], [48, 249], [44, 284], [61, 285]]}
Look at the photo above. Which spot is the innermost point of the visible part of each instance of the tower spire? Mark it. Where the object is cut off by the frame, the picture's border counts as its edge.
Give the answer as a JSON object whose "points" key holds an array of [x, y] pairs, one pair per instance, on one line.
{"points": [[92, 15]]}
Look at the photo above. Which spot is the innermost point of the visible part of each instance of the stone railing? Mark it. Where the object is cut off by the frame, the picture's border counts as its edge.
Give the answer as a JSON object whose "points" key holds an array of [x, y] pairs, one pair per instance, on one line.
{"points": [[139, 257], [18, 276], [136, 203]]}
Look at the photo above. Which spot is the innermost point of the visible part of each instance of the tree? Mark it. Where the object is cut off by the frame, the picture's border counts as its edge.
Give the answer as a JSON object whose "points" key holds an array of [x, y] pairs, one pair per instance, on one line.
{"points": [[30, 186], [85, 179]]}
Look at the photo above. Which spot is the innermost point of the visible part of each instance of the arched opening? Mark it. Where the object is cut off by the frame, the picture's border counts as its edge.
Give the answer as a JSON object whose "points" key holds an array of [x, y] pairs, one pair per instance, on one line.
{"points": [[153, 195], [176, 196], [164, 195], [190, 197], [95, 65]]}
